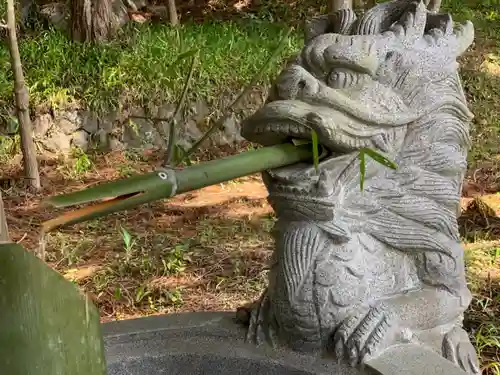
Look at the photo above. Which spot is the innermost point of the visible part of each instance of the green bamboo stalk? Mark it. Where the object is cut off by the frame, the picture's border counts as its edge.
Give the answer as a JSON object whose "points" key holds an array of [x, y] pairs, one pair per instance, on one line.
{"points": [[169, 157], [165, 183], [47, 326]]}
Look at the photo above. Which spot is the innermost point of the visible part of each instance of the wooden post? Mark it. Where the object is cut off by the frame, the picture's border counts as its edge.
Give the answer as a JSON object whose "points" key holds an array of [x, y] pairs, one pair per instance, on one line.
{"points": [[4, 231], [172, 13], [22, 102]]}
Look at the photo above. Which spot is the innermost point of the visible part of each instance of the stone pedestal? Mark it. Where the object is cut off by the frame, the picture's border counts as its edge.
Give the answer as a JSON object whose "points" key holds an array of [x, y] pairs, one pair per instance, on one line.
{"points": [[213, 344]]}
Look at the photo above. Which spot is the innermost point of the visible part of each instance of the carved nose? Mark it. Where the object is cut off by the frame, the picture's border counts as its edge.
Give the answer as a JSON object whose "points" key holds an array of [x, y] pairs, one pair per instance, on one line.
{"points": [[295, 83]]}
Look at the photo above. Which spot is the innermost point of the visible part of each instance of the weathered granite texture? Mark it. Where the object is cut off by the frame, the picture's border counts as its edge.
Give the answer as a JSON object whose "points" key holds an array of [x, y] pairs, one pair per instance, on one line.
{"points": [[212, 343], [356, 272]]}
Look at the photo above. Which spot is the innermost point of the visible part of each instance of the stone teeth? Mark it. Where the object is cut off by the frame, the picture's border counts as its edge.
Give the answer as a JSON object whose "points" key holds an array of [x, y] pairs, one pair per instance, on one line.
{"points": [[284, 128], [293, 189]]}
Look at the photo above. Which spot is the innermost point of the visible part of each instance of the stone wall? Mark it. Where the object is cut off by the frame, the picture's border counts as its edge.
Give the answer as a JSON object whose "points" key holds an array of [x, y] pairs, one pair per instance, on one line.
{"points": [[59, 131]]}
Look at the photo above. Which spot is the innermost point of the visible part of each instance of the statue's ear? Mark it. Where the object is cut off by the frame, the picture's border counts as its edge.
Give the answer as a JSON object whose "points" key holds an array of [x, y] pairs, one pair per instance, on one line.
{"points": [[465, 36], [339, 22], [413, 22], [316, 26], [382, 17], [342, 20]]}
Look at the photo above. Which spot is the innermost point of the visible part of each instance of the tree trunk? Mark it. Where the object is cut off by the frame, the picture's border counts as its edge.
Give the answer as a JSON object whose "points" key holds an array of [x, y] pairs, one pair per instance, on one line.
{"points": [[172, 13], [22, 102], [91, 20], [334, 5], [4, 230]]}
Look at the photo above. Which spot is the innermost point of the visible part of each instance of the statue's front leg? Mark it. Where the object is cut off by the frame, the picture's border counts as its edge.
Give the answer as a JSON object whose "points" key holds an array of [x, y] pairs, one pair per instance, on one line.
{"points": [[286, 314], [365, 333]]}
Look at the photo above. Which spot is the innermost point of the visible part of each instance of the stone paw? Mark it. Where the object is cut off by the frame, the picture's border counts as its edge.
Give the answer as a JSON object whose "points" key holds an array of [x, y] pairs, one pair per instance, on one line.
{"points": [[244, 313], [458, 349], [256, 316], [364, 334]]}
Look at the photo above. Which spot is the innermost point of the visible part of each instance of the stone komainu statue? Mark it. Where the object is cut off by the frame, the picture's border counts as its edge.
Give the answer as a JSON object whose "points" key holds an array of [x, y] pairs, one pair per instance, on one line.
{"points": [[354, 272]]}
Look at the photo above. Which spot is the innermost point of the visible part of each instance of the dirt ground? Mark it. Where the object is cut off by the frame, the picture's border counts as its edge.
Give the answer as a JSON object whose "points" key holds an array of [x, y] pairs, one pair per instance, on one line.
{"points": [[205, 250]]}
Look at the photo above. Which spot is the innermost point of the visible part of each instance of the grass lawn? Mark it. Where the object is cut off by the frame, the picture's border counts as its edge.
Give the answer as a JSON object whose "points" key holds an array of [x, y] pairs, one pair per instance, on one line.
{"points": [[207, 250], [480, 73], [144, 64]]}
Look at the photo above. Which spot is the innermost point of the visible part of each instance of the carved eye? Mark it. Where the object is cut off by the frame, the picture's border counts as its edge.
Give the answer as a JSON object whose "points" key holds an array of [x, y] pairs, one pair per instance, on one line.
{"points": [[341, 78]]}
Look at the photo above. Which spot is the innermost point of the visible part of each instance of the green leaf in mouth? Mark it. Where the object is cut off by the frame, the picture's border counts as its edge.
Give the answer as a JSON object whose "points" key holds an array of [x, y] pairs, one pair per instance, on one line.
{"points": [[362, 170], [299, 142], [315, 149]]}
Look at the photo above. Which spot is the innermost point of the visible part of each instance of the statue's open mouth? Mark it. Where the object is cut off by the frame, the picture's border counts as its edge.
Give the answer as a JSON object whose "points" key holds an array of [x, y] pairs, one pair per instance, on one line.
{"points": [[338, 130], [342, 131], [283, 121]]}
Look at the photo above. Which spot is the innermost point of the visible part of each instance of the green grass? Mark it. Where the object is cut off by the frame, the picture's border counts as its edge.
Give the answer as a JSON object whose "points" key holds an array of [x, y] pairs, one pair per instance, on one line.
{"points": [[482, 86], [483, 316], [481, 82], [144, 64]]}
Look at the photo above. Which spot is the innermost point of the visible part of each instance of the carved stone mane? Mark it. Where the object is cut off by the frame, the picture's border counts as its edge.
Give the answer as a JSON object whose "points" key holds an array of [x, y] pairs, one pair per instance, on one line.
{"points": [[353, 271]]}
